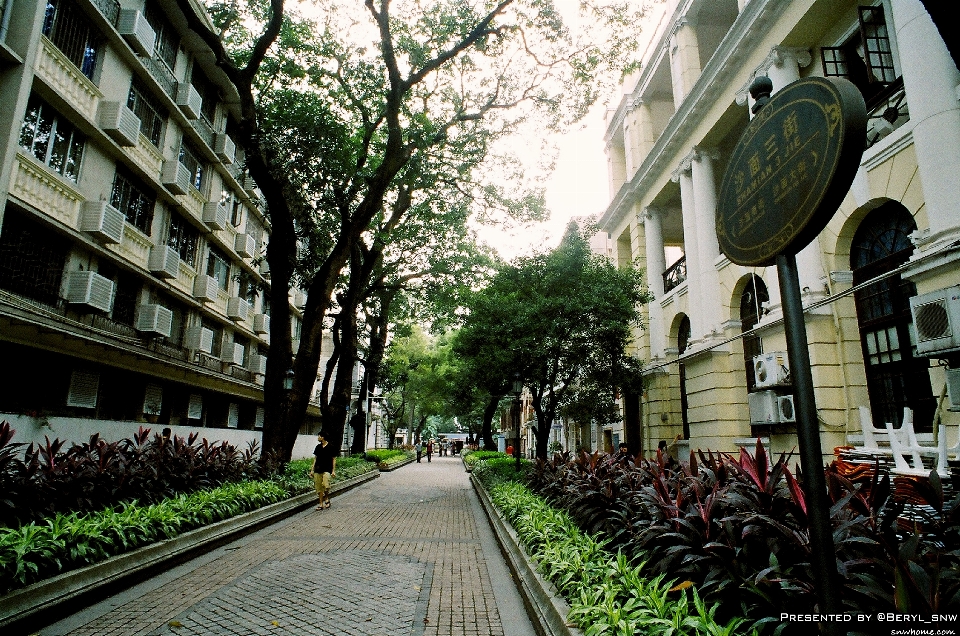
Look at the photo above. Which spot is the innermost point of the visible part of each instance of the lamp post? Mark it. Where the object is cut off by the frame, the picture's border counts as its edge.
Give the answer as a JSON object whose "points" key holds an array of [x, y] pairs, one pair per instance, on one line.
{"points": [[517, 389]]}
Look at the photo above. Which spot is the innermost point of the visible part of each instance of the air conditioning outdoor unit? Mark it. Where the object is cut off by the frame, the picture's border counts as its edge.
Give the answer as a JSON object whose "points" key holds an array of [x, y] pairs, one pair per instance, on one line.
{"points": [[138, 33], [164, 262], [189, 100], [102, 220], [770, 369], [233, 353], [156, 320], [767, 407], [215, 215], [936, 317], [261, 323], [176, 177], [245, 245], [90, 289], [953, 388], [249, 185], [237, 309], [258, 364], [198, 338], [225, 148], [119, 122], [205, 288]]}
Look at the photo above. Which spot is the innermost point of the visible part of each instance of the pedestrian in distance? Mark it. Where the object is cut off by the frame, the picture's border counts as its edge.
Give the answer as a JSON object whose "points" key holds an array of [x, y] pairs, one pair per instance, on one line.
{"points": [[419, 449], [429, 450], [322, 470]]}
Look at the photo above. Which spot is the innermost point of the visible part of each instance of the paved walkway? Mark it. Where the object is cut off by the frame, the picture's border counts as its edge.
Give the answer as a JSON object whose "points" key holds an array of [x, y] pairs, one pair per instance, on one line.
{"points": [[410, 552]]}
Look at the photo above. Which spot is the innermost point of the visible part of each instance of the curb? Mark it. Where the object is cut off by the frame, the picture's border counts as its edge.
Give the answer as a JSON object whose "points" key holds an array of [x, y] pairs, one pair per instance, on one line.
{"points": [[547, 610], [107, 575]]}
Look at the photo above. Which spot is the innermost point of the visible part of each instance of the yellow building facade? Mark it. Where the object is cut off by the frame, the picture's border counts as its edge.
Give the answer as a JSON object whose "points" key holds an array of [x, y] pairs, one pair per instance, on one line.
{"points": [[714, 343]]}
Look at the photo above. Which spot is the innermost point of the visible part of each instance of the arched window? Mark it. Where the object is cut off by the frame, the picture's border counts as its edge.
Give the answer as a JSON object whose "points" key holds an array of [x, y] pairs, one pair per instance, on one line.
{"points": [[683, 339], [895, 378], [751, 303]]}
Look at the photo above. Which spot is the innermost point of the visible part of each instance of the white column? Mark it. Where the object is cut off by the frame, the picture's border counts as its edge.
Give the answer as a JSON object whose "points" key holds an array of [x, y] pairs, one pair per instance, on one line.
{"points": [[656, 264], [682, 176], [708, 249], [684, 59], [783, 65], [810, 272], [931, 80]]}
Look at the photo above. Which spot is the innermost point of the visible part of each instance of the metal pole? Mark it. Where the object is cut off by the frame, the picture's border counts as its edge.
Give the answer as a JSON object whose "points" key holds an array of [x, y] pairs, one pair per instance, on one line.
{"points": [[808, 435], [516, 419]]}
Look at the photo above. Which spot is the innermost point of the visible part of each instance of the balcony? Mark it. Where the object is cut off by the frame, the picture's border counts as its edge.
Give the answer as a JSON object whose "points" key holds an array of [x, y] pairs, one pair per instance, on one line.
{"points": [[67, 80], [36, 185], [675, 275], [162, 74]]}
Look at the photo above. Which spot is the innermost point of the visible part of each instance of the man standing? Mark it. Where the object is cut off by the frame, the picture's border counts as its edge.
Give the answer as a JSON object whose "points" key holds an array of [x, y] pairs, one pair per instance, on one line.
{"points": [[323, 469], [419, 449], [429, 450]]}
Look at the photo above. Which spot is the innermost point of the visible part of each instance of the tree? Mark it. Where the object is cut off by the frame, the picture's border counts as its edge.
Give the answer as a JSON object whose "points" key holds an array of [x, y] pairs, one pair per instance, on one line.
{"points": [[343, 136], [563, 321]]}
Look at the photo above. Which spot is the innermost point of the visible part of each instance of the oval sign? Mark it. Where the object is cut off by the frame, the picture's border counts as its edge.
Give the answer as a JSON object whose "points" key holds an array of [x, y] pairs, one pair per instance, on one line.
{"points": [[790, 170]]}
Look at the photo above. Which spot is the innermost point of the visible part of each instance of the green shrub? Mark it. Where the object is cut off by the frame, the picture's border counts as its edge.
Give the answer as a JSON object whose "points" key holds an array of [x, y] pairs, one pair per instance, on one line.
{"points": [[387, 455], [471, 457]]}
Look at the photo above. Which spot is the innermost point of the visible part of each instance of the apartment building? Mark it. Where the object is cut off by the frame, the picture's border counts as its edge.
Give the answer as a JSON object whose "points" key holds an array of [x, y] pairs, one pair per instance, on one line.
{"points": [[132, 281], [879, 283]]}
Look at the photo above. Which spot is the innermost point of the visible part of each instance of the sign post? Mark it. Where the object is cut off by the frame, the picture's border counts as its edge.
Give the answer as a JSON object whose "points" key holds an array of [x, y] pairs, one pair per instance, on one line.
{"points": [[787, 176]]}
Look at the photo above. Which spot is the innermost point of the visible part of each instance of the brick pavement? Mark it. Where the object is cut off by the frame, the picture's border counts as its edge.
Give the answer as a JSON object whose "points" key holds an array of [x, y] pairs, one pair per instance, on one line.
{"points": [[407, 553]]}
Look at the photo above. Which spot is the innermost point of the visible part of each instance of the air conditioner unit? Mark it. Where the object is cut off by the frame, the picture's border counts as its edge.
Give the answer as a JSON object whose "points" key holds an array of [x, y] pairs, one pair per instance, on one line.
{"points": [[258, 364], [176, 177], [953, 388], [265, 268], [198, 338], [138, 33], [90, 289], [233, 353], [767, 407], [224, 147], [245, 245], [102, 220], [205, 288], [237, 309], [119, 122], [936, 318], [249, 185], [156, 320], [216, 215], [770, 369], [189, 100], [164, 262], [261, 323]]}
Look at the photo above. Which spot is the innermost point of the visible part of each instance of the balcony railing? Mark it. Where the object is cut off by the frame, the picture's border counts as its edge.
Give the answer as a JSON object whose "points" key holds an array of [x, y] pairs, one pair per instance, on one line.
{"points": [[241, 374], [109, 8], [205, 130], [106, 324], [162, 74], [675, 275], [886, 112]]}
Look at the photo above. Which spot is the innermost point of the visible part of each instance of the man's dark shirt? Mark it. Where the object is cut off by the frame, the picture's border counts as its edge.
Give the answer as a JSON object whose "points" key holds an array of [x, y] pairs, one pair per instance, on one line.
{"points": [[324, 455]]}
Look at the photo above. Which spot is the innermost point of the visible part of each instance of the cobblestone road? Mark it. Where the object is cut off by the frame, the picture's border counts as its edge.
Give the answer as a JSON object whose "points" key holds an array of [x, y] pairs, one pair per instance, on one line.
{"points": [[407, 553]]}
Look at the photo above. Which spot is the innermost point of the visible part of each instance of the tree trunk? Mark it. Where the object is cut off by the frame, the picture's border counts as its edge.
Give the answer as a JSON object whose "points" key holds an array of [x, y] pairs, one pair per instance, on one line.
{"points": [[486, 432]]}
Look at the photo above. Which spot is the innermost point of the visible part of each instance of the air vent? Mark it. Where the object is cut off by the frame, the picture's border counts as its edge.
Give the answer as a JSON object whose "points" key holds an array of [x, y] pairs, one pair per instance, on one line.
{"points": [[198, 338], [936, 317], [261, 323], [176, 177], [84, 386], [156, 320], [215, 215], [102, 220], [136, 31], [237, 309], [258, 364], [245, 245], [233, 354], [189, 100], [249, 185], [119, 122], [90, 289], [224, 147], [164, 262], [205, 288]]}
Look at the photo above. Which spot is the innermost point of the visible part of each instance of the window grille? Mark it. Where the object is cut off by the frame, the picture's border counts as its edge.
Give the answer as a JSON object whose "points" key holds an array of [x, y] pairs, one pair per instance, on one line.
{"points": [[190, 161], [218, 266], [31, 260], [184, 238], [73, 33], [134, 201], [248, 288], [126, 295], [168, 40], [151, 114], [52, 139]]}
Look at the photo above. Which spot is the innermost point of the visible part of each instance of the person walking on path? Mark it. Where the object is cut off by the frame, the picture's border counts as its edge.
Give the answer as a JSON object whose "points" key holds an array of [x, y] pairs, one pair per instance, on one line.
{"points": [[419, 448], [429, 450], [323, 469]]}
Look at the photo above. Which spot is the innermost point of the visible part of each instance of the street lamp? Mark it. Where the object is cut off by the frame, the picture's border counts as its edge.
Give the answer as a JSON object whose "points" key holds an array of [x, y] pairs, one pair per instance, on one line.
{"points": [[288, 380], [517, 389]]}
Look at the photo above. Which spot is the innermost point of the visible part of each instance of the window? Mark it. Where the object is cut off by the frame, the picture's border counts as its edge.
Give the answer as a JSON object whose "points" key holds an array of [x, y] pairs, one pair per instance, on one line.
{"points": [[151, 114], [217, 330], [208, 91], [135, 201], [126, 295], [866, 59], [219, 267], [31, 259], [184, 238], [895, 378], [168, 41], [72, 32], [190, 161], [52, 139], [248, 287]]}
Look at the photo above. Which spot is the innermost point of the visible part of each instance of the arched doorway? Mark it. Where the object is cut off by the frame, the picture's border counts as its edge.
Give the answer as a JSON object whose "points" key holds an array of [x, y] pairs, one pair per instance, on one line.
{"points": [[683, 339], [895, 378], [751, 303]]}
